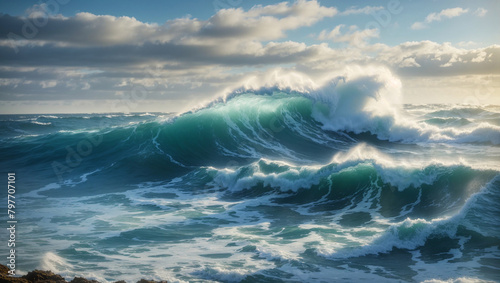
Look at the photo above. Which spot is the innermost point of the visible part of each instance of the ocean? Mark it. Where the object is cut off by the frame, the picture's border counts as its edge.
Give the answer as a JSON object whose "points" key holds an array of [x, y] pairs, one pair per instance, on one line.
{"points": [[268, 185]]}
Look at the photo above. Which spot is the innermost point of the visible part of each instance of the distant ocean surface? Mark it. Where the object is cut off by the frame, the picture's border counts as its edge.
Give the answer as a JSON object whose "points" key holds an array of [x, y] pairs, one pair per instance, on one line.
{"points": [[266, 186]]}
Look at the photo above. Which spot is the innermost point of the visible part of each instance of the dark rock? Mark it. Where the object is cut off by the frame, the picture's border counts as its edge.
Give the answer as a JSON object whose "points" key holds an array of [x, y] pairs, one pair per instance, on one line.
{"points": [[9, 279], [40, 276], [4, 269], [150, 281], [4, 276], [83, 280]]}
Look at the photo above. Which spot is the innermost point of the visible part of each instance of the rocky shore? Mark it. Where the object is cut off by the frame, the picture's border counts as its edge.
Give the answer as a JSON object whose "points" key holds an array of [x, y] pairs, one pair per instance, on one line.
{"points": [[41, 276]]}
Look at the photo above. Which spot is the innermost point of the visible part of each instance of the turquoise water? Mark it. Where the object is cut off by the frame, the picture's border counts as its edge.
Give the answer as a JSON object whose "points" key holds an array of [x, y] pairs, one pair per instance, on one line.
{"points": [[262, 187]]}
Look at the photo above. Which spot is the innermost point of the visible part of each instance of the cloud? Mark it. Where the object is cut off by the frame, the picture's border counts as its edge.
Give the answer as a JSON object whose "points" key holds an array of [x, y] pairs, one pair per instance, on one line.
{"points": [[335, 32], [353, 35], [415, 59], [230, 37], [418, 25], [102, 57], [467, 43], [436, 17], [427, 58], [173, 72], [98, 56], [446, 13], [367, 10], [85, 29], [480, 12]]}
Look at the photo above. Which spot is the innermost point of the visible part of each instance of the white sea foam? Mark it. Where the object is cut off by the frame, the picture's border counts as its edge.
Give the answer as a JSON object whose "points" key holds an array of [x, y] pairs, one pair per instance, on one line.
{"points": [[36, 193], [59, 265], [157, 145], [51, 261], [41, 123], [83, 178], [458, 280]]}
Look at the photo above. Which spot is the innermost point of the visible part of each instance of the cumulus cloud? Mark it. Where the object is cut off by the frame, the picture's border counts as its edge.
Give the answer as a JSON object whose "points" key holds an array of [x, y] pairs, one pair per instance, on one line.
{"points": [[418, 25], [427, 58], [469, 43], [415, 59], [65, 57], [446, 13], [436, 17], [480, 12], [230, 37], [84, 29], [353, 36], [335, 32]]}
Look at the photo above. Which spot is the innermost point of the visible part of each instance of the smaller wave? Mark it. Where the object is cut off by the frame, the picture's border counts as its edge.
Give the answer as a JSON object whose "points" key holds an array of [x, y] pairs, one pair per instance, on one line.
{"points": [[461, 111], [408, 234], [402, 174], [414, 233], [482, 133], [448, 122]]}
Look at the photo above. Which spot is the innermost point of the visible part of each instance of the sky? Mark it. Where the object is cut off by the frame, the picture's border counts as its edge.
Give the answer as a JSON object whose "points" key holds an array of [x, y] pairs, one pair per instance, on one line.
{"points": [[72, 56]]}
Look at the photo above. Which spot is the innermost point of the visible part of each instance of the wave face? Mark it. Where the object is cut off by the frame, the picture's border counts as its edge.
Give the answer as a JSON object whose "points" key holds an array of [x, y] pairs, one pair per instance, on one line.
{"points": [[268, 184]]}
